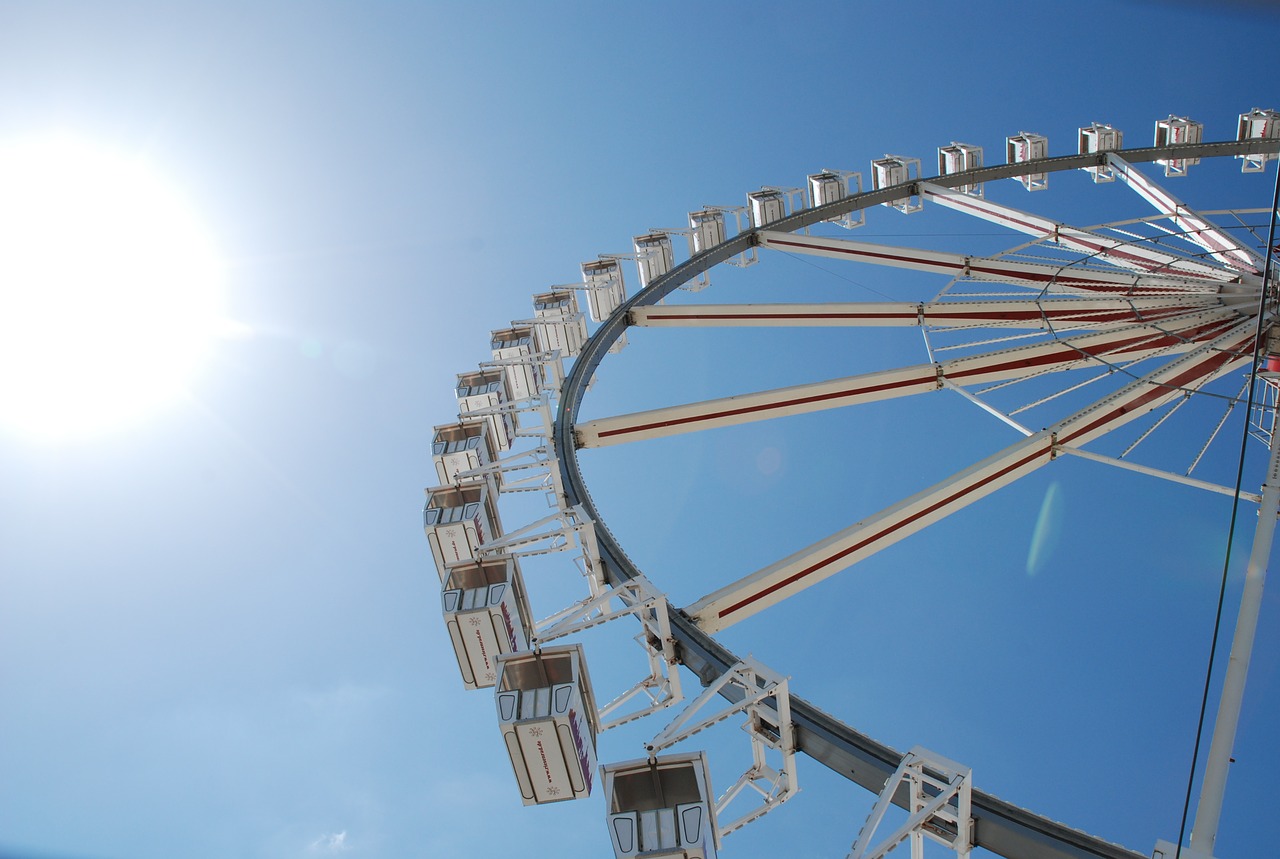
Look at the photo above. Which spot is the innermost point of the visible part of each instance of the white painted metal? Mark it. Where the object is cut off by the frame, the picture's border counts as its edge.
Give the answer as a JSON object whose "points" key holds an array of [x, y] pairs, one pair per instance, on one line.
{"points": [[1008, 420], [766, 206], [1049, 313], [466, 446], [1213, 788], [654, 255], [770, 204], [1132, 342], [1195, 229], [661, 807], [773, 583], [940, 795], [547, 715], [514, 350], [1175, 130], [484, 392], [1177, 308], [1166, 850], [1258, 124], [707, 226], [561, 531], [1196, 278], [897, 170], [511, 413], [1117, 251], [764, 696], [1100, 138], [660, 688], [486, 613], [1156, 472], [605, 287], [558, 323], [529, 469], [829, 186], [957, 158], [458, 521], [1025, 146]]}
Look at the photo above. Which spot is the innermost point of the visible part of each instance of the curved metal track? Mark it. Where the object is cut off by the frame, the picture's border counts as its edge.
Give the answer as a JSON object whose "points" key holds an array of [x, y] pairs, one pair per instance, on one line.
{"points": [[1001, 827]]}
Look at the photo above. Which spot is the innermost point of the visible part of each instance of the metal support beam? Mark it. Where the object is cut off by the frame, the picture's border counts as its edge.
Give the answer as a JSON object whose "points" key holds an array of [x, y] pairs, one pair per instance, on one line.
{"points": [[940, 803], [640, 599], [765, 698]]}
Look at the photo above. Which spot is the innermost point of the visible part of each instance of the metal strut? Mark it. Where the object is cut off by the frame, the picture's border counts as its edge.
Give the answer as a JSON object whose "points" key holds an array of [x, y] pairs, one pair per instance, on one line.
{"points": [[640, 599], [765, 697], [940, 803]]}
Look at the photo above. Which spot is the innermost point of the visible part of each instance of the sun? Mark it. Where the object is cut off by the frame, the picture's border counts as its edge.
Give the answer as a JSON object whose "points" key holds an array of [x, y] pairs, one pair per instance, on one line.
{"points": [[110, 290]]}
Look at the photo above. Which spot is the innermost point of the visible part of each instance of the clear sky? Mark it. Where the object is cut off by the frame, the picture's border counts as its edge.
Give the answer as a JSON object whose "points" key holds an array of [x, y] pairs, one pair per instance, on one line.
{"points": [[219, 628]]}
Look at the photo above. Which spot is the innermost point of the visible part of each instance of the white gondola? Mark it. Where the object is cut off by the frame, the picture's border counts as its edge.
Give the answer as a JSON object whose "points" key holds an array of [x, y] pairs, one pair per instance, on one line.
{"points": [[1171, 132], [707, 229], [1100, 138], [516, 347], [461, 447], [559, 325], [1258, 124], [458, 520], [654, 256], [766, 206], [897, 170], [547, 715], [1025, 146], [605, 287], [957, 158], [485, 393], [829, 186], [661, 807], [486, 611]]}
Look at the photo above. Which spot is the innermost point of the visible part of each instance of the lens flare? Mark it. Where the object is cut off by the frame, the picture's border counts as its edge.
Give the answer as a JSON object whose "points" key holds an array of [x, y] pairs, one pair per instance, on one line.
{"points": [[1048, 529]]}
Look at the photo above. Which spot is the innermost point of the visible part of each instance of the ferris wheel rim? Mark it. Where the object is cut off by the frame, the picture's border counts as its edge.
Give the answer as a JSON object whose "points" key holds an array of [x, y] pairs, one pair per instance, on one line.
{"points": [[1005, 828]]}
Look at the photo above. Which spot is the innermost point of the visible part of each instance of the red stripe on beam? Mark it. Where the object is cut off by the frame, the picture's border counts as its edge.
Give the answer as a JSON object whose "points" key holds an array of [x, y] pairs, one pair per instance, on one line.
{"points": [[1201, 369], [746, 410], [1065, 353], [1161, 389], [807, 571], [982, 316], [1077, 239], [1098, 286]]}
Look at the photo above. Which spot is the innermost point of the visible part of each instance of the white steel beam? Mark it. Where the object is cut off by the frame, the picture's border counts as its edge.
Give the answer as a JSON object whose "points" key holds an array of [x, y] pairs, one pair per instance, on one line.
{"points": [[1129, 343], [1039, 276], [1057, 313], [1160, 473], [1204, 833], [1121, 252], [1220, 246], [765, 698], [563, 531], [639, 599], [814, 563], [940, 796]]}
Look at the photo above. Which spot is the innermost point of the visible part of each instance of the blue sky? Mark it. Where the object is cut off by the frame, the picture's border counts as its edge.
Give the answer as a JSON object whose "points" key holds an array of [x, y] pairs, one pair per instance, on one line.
{"points": [[219, 630]]}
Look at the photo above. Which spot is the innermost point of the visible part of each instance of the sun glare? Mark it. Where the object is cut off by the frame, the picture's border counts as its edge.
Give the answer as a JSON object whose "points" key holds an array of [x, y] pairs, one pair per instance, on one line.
{"points": [[109, 290]]}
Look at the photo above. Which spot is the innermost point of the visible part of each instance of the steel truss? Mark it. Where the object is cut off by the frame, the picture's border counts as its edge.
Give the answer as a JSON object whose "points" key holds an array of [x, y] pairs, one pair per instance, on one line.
{"points": [[999, 826]]}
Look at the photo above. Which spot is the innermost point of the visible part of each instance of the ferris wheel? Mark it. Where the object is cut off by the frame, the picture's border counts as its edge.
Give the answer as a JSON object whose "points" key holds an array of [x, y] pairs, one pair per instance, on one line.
{"points": [[1096, 341]]}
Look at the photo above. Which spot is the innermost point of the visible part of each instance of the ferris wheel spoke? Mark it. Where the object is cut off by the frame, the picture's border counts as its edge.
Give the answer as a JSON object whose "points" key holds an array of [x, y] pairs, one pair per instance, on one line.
{"points": [[1125, 253], [1039, 276], [1194, 227], [1057, 313], [1128, 343], [810, 565]]}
